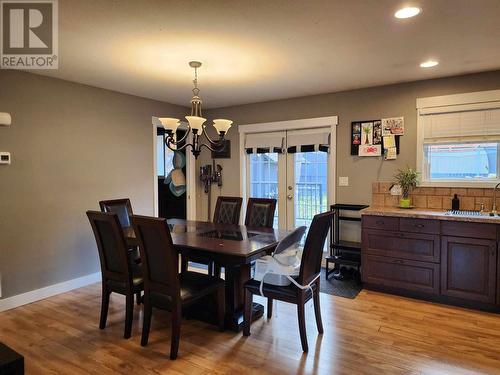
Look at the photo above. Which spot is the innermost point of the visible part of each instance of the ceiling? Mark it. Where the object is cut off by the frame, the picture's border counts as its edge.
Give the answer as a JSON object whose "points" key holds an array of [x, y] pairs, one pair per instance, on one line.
{"points": [[255, 51]]}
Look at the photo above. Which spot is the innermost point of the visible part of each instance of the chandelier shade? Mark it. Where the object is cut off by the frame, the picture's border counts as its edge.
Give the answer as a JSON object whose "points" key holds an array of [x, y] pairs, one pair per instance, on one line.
{"points": [[170, 124], [222, 125], [196, 123]]}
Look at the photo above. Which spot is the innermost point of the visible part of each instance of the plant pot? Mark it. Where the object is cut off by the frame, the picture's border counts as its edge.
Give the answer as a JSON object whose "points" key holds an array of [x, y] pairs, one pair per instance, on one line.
{"points": [[405, 203]]}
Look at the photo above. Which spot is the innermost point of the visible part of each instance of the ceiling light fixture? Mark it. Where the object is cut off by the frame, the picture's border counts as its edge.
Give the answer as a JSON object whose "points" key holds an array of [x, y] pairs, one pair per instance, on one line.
{"points": [[195, 125], [428, 64], [407, 12]]}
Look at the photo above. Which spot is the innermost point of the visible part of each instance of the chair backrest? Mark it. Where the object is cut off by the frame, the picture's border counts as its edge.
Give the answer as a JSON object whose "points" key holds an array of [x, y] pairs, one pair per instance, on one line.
{"points": [[313, 249], [290, 240], [227, 210], [111, 244], [260, 212], [121, 207], [160, 262]]}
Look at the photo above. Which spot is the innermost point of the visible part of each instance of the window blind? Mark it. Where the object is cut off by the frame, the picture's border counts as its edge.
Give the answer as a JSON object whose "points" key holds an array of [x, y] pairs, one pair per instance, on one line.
{"points": [[308, 140], [261, 143], [462, 126]]}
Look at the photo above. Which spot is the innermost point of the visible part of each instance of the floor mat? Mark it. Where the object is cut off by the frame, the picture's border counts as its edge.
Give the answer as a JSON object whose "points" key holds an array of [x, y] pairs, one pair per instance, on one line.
{"points": [[349, 288]]}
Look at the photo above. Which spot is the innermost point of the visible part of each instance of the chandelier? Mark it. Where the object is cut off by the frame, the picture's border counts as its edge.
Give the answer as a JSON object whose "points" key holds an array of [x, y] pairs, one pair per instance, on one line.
{"points": [[195, 125]]}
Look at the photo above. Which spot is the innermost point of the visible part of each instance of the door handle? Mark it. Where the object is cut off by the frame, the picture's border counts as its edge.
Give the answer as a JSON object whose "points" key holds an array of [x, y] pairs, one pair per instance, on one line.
{"points": [[290, 196]]}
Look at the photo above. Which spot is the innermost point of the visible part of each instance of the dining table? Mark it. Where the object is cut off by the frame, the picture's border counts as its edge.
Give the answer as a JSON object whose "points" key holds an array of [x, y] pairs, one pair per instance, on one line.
{"points": [[234, 247]]}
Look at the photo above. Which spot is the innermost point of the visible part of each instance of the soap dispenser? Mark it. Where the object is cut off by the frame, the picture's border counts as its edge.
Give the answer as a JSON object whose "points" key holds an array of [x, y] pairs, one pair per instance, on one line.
{"points": [[455, 203]]}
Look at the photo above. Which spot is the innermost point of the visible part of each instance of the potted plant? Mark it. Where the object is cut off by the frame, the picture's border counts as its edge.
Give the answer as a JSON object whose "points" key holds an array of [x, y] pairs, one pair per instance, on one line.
{"points": [[407, 179]]}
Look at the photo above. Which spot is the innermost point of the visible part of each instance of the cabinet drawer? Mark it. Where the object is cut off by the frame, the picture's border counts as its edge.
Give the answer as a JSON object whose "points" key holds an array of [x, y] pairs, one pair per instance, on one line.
{"points": [[419, 225], [472, 230], [380, 222], [401, 274], [412, 246]]}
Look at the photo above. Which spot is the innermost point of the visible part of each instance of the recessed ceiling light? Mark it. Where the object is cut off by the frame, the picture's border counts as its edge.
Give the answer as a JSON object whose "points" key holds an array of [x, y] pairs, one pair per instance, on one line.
{"points": [[429, 64], [407, 12]]}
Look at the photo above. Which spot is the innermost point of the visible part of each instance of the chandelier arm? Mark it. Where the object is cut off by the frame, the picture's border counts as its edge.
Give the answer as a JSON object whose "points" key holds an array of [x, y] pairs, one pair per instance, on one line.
{"points": [[220, 141], [214, 149], [170, 138], [180, 148]]}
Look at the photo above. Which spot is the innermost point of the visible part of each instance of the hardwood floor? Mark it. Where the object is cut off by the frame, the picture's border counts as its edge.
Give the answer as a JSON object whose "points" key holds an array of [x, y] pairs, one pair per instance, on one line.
{"points": [[373, 334]]}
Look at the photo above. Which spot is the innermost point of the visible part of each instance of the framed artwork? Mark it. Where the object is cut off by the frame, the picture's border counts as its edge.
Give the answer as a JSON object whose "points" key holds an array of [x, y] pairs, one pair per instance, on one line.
{"points": [[225, 153], [372, 133]]}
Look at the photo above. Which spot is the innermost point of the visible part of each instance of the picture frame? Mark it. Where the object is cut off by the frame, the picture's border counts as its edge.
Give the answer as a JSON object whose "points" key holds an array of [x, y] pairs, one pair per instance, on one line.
{"points": [[225, 153]]}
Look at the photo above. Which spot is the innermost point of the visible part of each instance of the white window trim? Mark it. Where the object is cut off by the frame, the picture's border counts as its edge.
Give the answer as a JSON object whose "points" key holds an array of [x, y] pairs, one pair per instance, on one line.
{"points": [[452, 103], [310, 123]]}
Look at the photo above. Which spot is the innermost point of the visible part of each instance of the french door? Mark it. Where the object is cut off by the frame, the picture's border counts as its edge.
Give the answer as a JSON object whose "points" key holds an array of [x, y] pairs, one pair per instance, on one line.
{"points": [[299, 181]]}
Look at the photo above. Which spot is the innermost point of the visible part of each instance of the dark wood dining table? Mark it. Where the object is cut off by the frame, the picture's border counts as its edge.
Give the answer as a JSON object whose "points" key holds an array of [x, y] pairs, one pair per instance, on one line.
{"points": [[234, 247]]}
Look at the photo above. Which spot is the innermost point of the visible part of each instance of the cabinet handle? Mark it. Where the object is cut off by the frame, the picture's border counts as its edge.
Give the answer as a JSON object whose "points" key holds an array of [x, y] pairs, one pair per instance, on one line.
{"points": [[399, 261], [379, 222], [419, 225]]}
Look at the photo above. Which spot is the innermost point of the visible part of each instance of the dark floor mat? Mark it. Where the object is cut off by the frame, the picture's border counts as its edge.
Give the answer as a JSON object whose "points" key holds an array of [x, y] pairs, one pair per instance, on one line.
{"points": [[348, 288]]}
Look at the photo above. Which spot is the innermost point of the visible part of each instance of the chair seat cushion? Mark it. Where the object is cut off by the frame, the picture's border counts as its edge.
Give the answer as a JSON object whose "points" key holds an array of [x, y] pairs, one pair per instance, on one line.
{"points": [[193, 286], [274, 291]]}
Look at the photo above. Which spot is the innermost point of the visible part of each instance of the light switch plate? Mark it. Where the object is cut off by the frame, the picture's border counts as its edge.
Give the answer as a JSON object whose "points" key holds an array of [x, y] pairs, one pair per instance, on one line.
{"points": [[4, 157], [343, 181]]}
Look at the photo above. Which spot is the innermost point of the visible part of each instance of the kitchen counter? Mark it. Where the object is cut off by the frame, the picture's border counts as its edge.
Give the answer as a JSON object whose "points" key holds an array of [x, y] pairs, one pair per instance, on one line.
{"points": [[422, 213]]}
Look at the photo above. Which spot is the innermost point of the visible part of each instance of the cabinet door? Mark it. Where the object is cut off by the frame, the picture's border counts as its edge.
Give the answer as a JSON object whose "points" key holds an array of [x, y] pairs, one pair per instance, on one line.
{"points": [[468, 268]]}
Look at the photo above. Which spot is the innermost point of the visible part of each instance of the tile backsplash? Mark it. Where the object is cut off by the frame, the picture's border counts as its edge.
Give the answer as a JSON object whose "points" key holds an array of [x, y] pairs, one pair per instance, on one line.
{"points": [[435, 197]]}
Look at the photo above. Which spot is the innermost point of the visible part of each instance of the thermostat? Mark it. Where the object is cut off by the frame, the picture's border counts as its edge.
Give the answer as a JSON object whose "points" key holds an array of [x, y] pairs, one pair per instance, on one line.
{"points": [[4, 157]]}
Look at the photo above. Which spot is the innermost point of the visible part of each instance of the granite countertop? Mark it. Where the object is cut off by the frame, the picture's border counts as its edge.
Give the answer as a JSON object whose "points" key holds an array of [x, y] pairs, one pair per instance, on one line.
{"points": [[423, 213]]}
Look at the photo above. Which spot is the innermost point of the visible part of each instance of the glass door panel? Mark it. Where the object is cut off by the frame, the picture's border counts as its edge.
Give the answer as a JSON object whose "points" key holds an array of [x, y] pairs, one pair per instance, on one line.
{"points": [[264, 178]]}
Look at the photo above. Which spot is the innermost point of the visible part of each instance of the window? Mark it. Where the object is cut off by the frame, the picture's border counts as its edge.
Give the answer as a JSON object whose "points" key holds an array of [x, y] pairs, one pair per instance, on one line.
{"points": [[458, 144], [462, 161]]}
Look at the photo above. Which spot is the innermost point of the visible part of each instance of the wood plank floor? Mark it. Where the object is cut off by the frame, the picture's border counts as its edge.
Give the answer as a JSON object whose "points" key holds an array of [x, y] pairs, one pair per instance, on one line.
{"points": [[373, 334]]}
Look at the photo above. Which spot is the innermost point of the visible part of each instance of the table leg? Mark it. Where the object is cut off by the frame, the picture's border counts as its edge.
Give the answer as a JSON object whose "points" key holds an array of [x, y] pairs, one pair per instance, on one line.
{"points": [[235, 280]]}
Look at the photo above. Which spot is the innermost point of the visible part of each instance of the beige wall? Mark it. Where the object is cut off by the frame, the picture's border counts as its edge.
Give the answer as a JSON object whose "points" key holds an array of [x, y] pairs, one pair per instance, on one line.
{"points": [[72, 145], [363, 104]]}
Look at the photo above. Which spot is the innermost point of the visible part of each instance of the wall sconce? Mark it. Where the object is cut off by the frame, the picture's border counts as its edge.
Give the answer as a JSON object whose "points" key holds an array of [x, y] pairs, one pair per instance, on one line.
{"points": [[5, 119]]}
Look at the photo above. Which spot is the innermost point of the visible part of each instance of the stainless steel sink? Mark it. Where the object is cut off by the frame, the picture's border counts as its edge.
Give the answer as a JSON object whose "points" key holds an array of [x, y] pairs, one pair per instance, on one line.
{"points": [[471, 213]]}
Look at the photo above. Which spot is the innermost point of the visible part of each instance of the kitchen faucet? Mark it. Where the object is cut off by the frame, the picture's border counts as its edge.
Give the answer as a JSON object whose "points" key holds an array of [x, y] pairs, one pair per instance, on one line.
{"points": [[494, 209]]}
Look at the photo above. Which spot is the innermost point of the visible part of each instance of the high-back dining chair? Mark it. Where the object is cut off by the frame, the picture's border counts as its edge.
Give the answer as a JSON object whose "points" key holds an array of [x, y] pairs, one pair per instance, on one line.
{"points": [[119, 274], [227, 211], [121, 207], [260, 212], [164, 287], [310, 269]]}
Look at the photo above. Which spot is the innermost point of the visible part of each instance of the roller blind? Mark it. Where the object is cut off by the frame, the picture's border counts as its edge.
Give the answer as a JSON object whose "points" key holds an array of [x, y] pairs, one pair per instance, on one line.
{"points": [[462, 126], [265, 142], [308, 140]]}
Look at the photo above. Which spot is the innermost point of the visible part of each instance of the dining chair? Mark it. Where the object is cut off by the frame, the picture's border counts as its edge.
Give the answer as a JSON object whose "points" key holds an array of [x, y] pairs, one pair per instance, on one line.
{"points": [[164, 287], [310, 269], [260, 212], [121, 207], [119, 273], [227, 211]]}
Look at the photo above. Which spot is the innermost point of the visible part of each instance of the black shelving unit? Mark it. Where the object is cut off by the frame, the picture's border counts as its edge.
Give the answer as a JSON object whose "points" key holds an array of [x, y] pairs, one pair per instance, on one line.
{"points": [[347, 253]]}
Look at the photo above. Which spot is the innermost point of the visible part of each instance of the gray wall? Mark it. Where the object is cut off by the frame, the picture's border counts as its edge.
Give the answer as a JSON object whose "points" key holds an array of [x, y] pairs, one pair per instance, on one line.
{"points": [[363, 104], [72, 145]]}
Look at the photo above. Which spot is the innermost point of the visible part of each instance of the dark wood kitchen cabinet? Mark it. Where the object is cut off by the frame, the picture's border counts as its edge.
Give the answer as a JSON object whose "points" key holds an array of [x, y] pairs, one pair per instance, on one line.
{"points": [[442, 260], [468, 268]]}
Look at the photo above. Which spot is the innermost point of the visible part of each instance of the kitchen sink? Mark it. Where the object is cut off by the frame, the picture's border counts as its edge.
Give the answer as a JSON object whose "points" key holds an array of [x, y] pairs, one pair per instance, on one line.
{"points": [[471, 213]]}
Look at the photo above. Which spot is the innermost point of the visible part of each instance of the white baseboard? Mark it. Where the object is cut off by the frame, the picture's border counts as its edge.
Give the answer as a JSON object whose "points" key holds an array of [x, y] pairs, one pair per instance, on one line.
{"points": [[48, 291]]}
